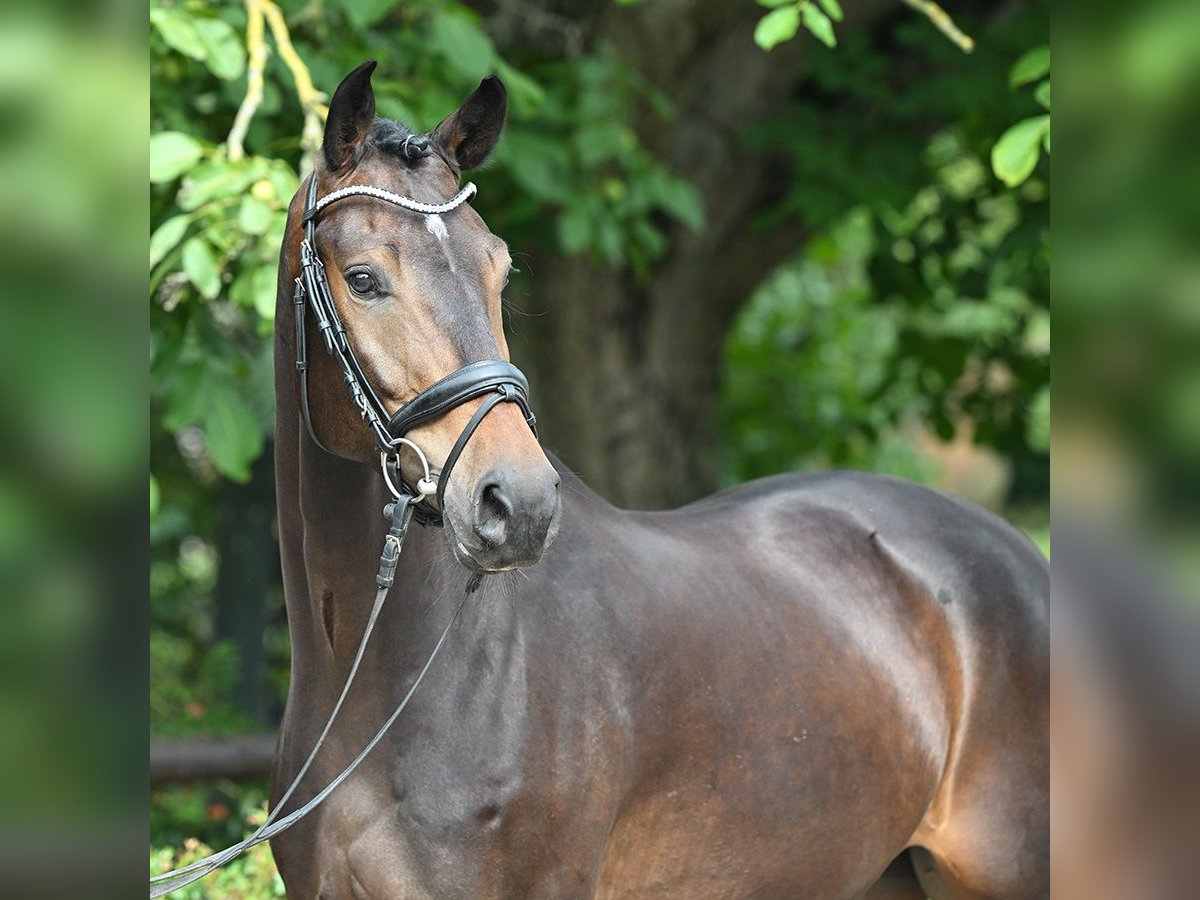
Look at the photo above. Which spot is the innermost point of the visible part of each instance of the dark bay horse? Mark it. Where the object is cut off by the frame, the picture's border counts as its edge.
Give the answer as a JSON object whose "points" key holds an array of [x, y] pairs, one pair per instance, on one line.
{"points": [[821, 686]]}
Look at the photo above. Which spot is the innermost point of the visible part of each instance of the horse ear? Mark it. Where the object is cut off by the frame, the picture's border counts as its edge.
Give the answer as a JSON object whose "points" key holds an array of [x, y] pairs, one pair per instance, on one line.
{"points": [[470, 133], [351, 113]]}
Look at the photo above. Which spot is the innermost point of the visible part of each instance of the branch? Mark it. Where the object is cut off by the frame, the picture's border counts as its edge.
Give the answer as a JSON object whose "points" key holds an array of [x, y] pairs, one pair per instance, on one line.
{"points": [[186, 759], [941, 19], [310, 98], [256, 49]]}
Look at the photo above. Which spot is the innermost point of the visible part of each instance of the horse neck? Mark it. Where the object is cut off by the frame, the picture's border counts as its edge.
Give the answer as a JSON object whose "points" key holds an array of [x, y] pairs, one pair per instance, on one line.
{"points": [[331, 531]]}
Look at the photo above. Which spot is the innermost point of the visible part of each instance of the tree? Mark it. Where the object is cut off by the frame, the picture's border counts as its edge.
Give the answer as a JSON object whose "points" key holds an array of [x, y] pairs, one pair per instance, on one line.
{"points": [[626, 125], [697, 218], [626, 359]]}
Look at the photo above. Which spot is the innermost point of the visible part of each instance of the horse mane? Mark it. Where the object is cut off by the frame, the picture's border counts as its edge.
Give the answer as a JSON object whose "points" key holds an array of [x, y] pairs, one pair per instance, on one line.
{"points": [[398, 140]]}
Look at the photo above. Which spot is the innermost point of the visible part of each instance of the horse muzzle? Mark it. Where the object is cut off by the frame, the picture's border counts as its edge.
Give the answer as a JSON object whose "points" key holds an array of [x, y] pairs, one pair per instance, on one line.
{"points": [[511, 519]]}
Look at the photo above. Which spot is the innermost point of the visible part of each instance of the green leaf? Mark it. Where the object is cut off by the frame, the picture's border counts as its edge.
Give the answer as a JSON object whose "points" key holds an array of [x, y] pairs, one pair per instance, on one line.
{"points": [[833, 9], [1042, 94], [610, 242], [231, 432], [462, 45], [179, 31], [155, 497], [574, 229], [208, 397], [653, 241], [365, 13], [1030, 67], [1016, 153], [216, 179], [171, 154], [225, 55], [1037, 428], [818, 23], [190, 384], [200, 266], [264, 291], [283, 179], [540, 165], [776, 27], [525, 94], [165, 238], [254, 216], [682, 201], [771, 4], [255, 288], [1046, 141], [596, 142]]}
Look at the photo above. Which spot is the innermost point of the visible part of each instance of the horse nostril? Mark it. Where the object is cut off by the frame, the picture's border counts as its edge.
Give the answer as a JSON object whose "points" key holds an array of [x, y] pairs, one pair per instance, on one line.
{"points": [[492, 514], [497, 502]]}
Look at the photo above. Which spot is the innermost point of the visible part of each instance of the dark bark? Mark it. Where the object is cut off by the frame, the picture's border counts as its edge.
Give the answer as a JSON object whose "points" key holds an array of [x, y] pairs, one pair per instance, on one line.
{"points": [[625, 373]]}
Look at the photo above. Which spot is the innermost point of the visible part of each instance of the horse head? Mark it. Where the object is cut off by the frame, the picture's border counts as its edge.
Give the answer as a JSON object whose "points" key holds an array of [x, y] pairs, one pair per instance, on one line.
{"points": [[418, 296]]}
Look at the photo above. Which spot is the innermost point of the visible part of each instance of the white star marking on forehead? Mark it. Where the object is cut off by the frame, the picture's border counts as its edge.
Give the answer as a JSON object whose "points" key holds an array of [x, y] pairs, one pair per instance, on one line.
{"points": [[435, 226]]}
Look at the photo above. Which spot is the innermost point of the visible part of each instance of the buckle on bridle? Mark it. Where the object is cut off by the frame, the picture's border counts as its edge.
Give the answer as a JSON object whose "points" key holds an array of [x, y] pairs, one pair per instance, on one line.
{"points": [[400, 514]]}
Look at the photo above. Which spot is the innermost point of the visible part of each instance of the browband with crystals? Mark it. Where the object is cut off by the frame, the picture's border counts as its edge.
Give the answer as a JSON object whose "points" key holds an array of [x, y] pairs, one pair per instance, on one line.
{"points": [[429, 209]]}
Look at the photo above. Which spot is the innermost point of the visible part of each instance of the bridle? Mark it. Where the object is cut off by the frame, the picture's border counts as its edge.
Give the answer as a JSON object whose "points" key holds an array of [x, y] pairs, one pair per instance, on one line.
{"points": [[495, 379]]}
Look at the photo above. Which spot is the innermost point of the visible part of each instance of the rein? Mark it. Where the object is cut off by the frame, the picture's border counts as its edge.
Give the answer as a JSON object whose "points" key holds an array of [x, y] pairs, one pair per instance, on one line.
{"points": [[496, 380]]}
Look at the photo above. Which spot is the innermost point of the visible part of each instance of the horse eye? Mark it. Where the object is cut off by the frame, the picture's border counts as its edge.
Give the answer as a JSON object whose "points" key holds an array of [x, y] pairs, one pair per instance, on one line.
{"points": [[361, 283]]}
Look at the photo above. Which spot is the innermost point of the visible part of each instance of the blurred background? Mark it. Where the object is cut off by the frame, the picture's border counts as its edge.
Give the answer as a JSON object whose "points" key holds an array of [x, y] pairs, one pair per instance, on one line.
{"points": [[751, 239]]}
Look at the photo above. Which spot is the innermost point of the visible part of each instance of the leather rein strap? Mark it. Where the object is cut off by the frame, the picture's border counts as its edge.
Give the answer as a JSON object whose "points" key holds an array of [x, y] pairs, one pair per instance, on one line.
{"points": [[497, 380]]}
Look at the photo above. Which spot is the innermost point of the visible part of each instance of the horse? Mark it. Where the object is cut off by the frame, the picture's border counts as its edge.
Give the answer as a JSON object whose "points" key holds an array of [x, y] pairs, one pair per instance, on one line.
{"points": [[824, 685]]}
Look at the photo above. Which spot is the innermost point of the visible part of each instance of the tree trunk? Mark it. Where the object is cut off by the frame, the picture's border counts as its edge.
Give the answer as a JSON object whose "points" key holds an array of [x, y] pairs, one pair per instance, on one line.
{"points": [[625, 373]]}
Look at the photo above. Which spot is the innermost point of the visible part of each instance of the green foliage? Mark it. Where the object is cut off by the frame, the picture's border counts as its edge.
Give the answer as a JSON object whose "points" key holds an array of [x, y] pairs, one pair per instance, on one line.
{"points": [[809, 368], [818, 23], [959, 275], [1016, 153], [934, 311], [1033, 66], [171, 154], [212, 261], [831, 137], [583, 159], [786, 17], [195, 31], [971, 267], [189, 822]]}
